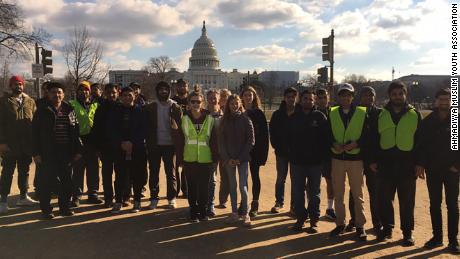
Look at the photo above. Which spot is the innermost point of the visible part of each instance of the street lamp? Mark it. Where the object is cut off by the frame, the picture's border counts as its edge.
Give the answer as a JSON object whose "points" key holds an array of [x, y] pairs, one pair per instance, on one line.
{"points": [[414, 86]]}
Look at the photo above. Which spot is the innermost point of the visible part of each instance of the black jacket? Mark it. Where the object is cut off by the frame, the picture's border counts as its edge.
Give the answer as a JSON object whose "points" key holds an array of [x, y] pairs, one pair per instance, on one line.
{"points": [[101, 129], [137, 129], [433, 151], [259, 152], [307, 138], [43, 140], [279, 126], [394, 154], [364, 142], [151, 111]]}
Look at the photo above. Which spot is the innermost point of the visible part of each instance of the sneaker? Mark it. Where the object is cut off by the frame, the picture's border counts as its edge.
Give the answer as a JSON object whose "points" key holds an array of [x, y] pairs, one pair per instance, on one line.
{"points": [[3, 207], [93, 199], [453, 247], [26, 201], [277, 208], [153, 204], [194, 219], [336, 231], [66, 212], [172, 204], [254, 209], [136, 207], [126, 203], [313, 229], [205, 218], [433, 243], [75, 203], [232, 218], [108, 204], [221, 206], [350, 227], [47, 216], [408, 240], [361, 234], [211, 214], [330, 214], [298, 225], [384, 234], [116, 208], [247, 221]]}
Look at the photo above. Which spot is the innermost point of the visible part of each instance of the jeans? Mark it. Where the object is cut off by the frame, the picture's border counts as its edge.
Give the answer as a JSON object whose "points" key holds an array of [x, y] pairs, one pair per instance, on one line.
{"points": [[243, 186], [224, 185], [311, 176], [374, 198], [435, 180], [282, 166], [108, 160], [90, 163], [165, 153], [197, 176], [9, 164], [255, 176], [212, 187], [134, 169]]}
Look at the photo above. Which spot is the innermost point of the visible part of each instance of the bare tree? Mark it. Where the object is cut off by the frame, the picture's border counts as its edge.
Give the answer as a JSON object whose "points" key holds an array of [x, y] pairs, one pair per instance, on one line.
{"points": [[4, 75], [82, 55], [158, 67], [15, 39]]}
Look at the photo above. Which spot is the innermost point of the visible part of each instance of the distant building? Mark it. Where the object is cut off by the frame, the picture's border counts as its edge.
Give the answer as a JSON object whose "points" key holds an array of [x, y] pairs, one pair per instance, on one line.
{"points": [[125, 77], [279, 79]]}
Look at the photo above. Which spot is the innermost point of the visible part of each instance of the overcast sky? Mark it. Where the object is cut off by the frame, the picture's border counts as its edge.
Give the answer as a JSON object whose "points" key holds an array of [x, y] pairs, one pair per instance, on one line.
{"points": [[371, 36]]}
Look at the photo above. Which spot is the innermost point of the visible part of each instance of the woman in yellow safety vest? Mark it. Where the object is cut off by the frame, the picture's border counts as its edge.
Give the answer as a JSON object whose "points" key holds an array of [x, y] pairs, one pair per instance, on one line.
{"points": [[196, 153]]}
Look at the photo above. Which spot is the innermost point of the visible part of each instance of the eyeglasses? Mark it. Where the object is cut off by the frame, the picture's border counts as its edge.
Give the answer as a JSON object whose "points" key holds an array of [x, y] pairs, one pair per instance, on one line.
{"points": [[195, 102]]}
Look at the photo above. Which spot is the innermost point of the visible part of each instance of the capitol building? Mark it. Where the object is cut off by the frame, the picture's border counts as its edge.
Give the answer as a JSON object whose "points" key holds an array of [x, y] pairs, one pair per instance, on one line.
{"points": [[204, 70]]}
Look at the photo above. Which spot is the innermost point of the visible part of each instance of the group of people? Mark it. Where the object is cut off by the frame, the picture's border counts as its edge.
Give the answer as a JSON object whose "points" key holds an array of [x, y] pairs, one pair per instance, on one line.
{"points": [[198, 135]]}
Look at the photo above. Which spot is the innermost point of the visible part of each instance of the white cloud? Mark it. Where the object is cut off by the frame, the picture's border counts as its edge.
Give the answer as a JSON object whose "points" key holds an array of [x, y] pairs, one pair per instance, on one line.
{"points": [[270, 53], [181, 62]]}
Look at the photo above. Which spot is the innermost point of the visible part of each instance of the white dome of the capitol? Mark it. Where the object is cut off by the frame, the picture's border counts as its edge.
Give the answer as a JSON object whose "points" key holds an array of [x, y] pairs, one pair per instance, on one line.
{"points": [[204, 53]]}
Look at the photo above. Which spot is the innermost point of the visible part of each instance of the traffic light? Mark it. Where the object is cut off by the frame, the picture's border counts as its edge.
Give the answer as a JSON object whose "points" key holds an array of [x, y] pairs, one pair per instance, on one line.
{"points": [[47, 61], [328, 48], [322, 75]]}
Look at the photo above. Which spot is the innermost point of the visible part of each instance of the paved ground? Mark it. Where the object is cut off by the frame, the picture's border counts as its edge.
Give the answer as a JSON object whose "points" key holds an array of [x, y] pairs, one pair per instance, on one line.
{"points": [[95, 233]]}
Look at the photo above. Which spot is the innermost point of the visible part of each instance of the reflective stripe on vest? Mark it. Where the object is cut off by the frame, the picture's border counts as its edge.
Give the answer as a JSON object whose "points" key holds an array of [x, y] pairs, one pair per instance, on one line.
{"points": [[401, 135], [196, 148], [85, 118], [353, 130]]}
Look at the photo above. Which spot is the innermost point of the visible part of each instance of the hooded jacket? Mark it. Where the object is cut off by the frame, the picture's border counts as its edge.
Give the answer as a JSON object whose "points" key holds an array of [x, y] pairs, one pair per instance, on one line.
{"points": [[279, 126]]}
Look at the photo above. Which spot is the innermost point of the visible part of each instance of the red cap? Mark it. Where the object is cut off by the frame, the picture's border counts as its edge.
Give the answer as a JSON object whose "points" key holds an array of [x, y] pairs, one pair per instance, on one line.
{"points": [[16, 78]]}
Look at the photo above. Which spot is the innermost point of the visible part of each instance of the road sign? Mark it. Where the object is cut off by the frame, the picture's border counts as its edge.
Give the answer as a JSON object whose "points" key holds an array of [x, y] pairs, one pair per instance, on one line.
{"points": [[37, 70]]}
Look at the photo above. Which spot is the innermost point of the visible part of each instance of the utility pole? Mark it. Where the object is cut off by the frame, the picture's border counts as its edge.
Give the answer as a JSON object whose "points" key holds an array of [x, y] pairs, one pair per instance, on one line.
{"points": [[37, 80], [328, 55]]}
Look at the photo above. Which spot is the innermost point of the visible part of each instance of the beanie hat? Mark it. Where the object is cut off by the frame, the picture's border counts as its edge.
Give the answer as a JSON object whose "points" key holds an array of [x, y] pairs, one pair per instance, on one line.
{"points": [[15, 79]]}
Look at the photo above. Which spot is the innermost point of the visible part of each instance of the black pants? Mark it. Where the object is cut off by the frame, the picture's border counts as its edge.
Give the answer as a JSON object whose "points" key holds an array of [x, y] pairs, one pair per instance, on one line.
{"points": [[165, 153], [198, 176], [435, 180], [224, 191], [181, 181], [9, 164], [135, 169], [90, 163], [374, 198], [255, 177], [400, 177], [108, 161], [55, 177]]}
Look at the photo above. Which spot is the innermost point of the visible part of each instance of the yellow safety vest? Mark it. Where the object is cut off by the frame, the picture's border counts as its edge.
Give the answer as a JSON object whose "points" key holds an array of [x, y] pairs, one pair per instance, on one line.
{"points": [[401, 135], [197, 147], [352, 132], [85, 118]]}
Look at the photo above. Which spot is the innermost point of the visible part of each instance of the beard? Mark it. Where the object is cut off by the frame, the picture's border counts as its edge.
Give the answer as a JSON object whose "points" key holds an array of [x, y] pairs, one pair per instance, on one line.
{"points": [[163, 97], [17, 90]]}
